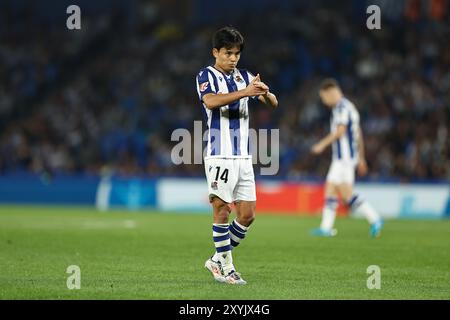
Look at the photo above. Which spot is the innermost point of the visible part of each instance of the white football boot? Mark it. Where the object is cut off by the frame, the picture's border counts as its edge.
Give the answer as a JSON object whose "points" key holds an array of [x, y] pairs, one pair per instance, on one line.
{"points": [[235, 278], [215, 267]]}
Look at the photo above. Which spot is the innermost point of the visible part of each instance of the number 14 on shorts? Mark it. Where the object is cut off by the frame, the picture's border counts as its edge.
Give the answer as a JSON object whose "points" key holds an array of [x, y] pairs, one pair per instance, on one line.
{"points": [[222, 173]]}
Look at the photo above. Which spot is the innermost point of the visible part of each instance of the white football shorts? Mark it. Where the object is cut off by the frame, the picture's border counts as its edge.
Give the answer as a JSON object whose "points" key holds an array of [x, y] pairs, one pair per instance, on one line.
{"points": [[341, 172], [230, 179]]}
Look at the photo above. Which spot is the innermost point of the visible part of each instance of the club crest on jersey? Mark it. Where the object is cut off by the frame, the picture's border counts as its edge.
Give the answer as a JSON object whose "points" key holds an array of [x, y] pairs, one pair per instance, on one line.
{"points": [[238, 78], [204, 86], [214, 185]]}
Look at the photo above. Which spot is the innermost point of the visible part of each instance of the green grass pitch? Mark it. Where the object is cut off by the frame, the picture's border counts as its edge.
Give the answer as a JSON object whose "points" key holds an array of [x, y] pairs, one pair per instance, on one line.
{"points": [[154, 255]]}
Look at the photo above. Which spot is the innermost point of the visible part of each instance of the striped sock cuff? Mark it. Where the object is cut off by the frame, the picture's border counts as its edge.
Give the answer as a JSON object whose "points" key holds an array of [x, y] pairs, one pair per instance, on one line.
{"points": [[237, 233], [355, 201], [221, 237], [220, 228], [239, 227], [331, 203]]}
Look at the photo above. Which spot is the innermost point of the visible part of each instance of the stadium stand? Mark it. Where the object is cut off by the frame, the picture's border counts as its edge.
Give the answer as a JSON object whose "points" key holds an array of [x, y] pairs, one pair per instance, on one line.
{"points": [[110, 95]]}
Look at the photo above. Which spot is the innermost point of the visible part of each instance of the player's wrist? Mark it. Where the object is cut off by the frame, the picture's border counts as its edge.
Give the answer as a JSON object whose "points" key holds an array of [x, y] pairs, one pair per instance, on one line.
{"points": [[244, 93]]}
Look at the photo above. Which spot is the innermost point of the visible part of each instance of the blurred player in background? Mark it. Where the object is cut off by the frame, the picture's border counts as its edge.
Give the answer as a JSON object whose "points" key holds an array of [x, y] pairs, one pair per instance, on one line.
{"points": [[347, 144], [224, 91]]}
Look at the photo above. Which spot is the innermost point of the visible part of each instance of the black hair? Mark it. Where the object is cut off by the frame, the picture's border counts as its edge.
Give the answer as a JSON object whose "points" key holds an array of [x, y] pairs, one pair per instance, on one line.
{"points": [[228, 37], [329, 83]]}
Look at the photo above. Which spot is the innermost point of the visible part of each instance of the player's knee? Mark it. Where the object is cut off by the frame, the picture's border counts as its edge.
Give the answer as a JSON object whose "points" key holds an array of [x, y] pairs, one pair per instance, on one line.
{"points": [[222, 211], [247, 217], [248, 220], [330, 190], [346, 199]]}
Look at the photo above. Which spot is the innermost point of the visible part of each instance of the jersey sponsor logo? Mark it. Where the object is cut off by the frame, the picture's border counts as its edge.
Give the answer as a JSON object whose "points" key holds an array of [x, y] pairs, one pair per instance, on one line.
{"points": [[214, 185], [204, 86]]}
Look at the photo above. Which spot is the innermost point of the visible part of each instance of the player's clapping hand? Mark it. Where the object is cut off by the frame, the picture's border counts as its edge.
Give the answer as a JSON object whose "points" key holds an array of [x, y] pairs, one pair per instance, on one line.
{"points": [[257, 87], [264, 87], [258, 83]]}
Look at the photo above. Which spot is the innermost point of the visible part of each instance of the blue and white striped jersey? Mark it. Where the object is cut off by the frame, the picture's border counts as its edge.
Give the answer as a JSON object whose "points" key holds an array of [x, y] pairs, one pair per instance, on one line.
{"points": [[228, 126], [346, 148]]}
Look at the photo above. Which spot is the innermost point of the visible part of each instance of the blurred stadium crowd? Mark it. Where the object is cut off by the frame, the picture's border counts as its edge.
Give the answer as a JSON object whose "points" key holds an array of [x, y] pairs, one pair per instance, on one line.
{"points": [[110, 95]]}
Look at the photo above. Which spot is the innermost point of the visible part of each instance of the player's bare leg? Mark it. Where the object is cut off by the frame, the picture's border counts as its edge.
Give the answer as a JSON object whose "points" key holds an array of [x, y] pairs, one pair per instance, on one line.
{"points": [[345, 190], [221, 210], [329, 212], [357, 203]]}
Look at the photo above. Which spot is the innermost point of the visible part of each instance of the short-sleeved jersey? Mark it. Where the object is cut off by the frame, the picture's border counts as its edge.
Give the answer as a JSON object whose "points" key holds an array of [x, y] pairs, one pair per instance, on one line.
{"points": [[345, 149], [228, 126]]}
